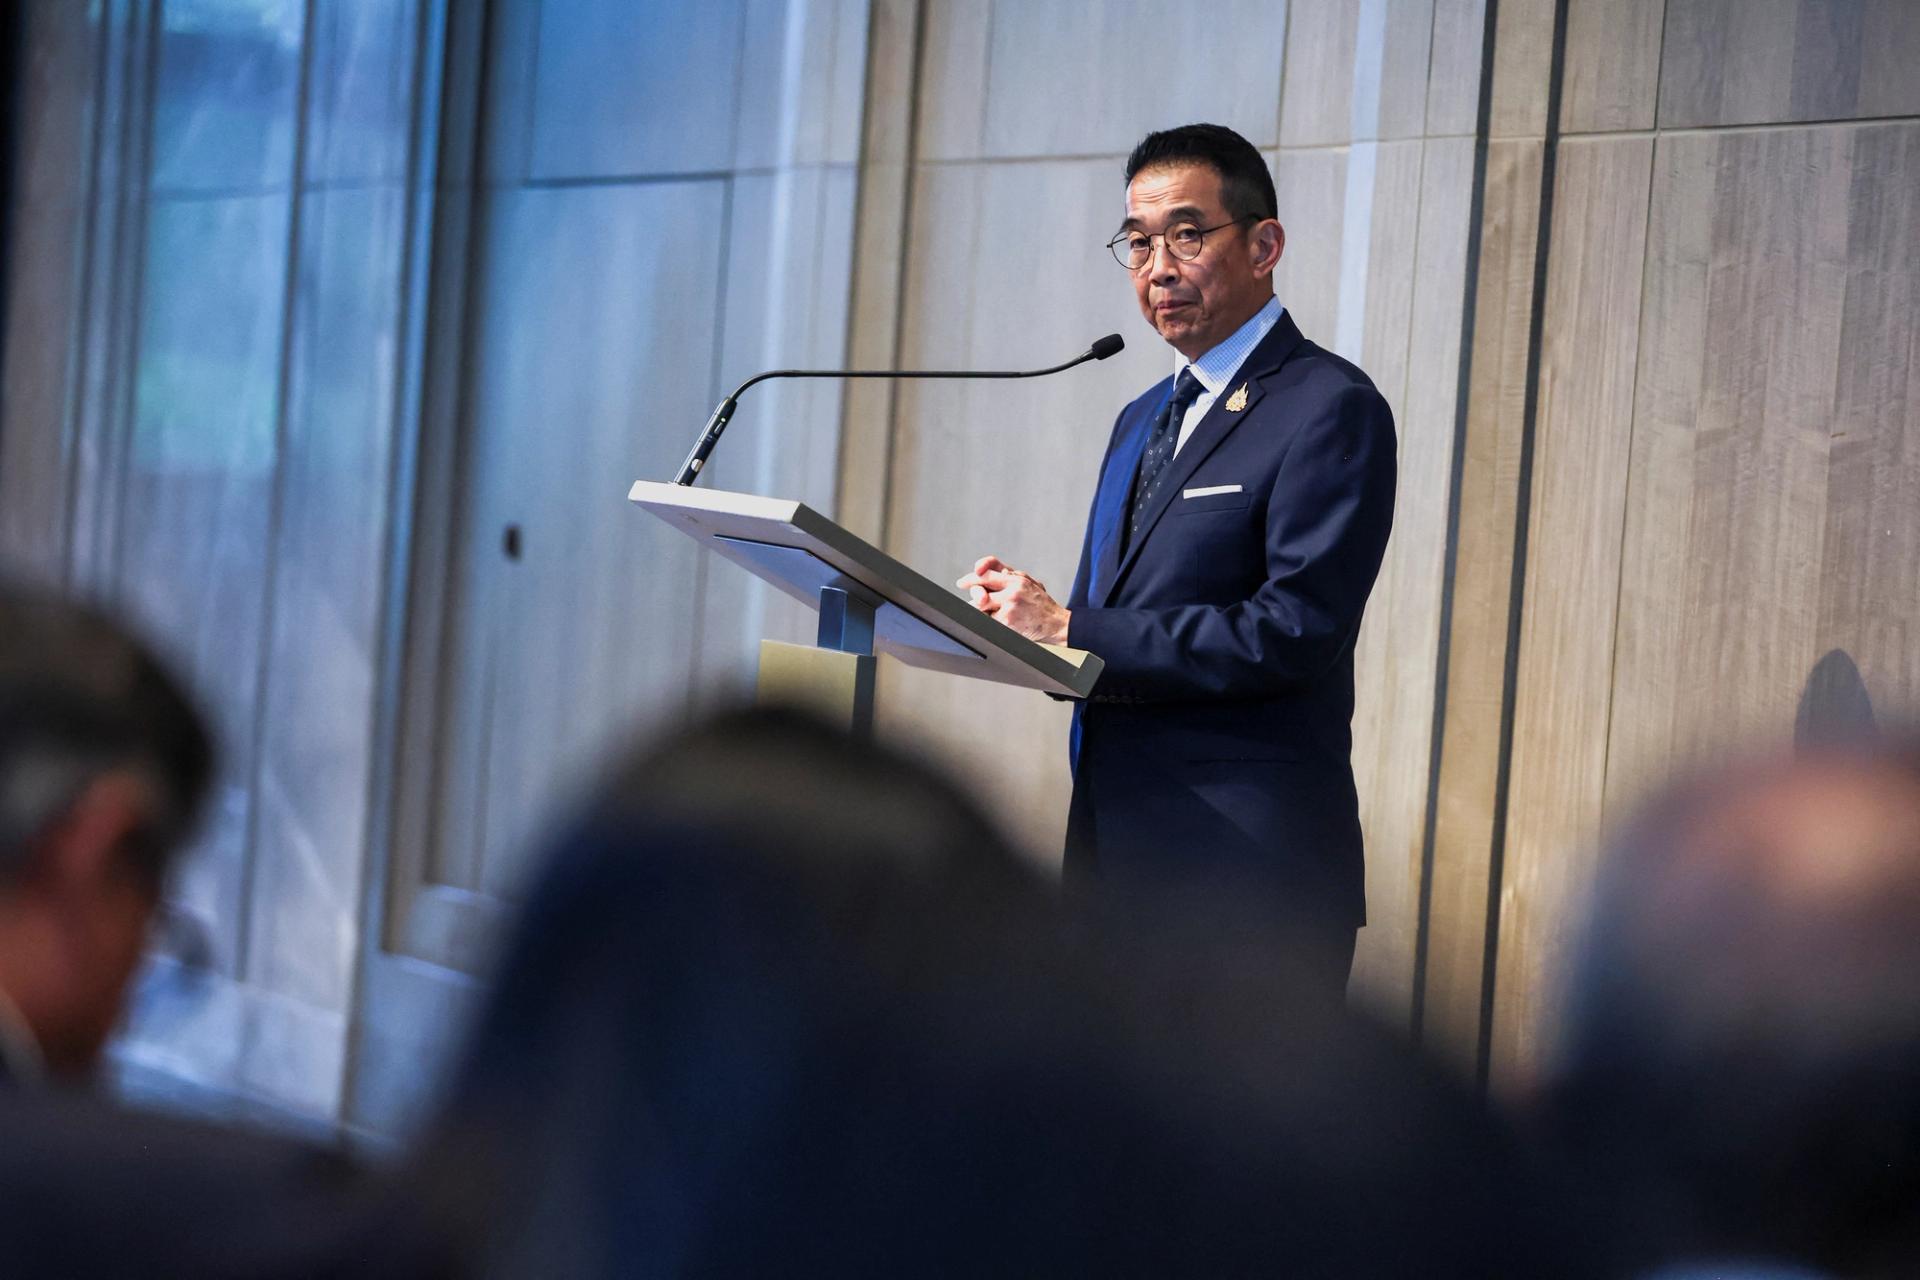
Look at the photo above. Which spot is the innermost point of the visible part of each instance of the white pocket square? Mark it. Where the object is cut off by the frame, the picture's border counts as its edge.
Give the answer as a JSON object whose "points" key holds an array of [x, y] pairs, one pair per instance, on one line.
{"points": [[1210, 490]]}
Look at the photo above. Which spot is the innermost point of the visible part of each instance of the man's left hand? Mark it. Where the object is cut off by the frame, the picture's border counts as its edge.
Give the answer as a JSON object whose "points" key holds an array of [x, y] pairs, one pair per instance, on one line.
{"points": [[1018, 599]]}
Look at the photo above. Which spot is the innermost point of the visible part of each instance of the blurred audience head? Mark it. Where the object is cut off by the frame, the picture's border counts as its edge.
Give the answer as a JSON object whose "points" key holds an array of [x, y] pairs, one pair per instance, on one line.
{"points": [[1739, 1075], [784, 1002], [103, 764]]}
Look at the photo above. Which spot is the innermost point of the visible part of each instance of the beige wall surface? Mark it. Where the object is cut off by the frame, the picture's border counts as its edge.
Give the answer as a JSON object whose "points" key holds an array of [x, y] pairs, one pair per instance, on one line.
{"points": [[1636, 276]]}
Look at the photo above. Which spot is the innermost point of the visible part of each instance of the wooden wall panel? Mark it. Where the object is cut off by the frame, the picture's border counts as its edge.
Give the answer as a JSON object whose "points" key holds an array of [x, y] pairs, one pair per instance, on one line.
{"points": [[1356, 71], [801, 86], [1036, 78], [1316, 93], [1612, 65], [1454, 54], [951, 82], [1043, 55], [1399, 643], [879, 264], [1522, 68], [1578, 492], [1481, 595], [1311, 186], [1770, 517], [1871, 545], [1730, 62]]}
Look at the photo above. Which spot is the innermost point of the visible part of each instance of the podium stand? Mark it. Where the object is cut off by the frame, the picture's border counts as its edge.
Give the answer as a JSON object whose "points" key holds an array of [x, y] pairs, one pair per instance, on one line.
{"points": [[869, 604]]}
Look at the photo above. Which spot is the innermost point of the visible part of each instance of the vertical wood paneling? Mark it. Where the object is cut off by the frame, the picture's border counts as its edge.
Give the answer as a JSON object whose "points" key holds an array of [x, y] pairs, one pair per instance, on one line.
{"points": [[1872, 538], [800, 83], [1399, 643], [998, 74], [1732, 62], [1044, 54], [1770, 514], [1522, 68], [1453, 67], [1482, 587], [1311, 186], [952, 79], [1582, 433], [1612, 66], [1316, 94], [879, 269], [1356, 71]]}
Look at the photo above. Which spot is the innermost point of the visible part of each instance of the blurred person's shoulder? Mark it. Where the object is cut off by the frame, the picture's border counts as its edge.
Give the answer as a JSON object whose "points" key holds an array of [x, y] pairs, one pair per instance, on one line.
{"points": [[92, 1188]]}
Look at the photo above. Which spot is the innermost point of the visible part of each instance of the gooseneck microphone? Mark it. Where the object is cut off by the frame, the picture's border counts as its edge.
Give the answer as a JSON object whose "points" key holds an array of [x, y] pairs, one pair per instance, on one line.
{"points": [[1100, 350]]}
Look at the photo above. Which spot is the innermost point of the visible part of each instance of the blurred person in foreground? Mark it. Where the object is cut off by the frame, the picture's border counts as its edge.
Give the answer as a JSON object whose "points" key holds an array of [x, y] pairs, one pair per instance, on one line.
{"points": [[784, 1003], [103, 764], [1738, 1080]]}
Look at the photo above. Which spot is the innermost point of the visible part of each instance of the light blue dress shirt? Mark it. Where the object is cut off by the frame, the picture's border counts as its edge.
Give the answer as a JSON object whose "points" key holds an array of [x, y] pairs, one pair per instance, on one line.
{"points": [[1216, 368]]}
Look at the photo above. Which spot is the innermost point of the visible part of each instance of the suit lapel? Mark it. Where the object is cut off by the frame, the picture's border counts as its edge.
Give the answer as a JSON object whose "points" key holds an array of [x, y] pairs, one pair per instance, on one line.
{"points": [[1215, 427]]}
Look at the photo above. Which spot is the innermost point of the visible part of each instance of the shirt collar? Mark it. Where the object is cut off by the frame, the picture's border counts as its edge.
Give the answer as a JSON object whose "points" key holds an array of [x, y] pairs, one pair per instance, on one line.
{"points": [[1216, 367], [19, 1050]]}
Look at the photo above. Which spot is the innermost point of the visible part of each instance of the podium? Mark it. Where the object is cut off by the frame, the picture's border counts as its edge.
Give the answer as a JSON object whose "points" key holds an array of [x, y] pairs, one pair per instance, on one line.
{"points": [[869, 604]]}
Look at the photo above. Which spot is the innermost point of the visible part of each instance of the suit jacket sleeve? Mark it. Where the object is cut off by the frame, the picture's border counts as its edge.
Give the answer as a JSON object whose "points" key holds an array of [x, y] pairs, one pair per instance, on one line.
{"points": [[1327, 519]]}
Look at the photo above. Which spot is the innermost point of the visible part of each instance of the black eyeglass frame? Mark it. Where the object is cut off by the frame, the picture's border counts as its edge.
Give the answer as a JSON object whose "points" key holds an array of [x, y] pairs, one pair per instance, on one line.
{"points": [[1113, 245]]}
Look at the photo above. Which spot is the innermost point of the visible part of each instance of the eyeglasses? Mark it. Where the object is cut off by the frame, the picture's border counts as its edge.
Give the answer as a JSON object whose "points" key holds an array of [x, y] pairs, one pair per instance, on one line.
{"points": [[1134, 249]]}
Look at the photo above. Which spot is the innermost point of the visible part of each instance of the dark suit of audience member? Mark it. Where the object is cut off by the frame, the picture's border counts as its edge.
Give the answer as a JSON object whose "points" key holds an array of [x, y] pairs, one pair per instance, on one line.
{"points": [[92, 1191], [784, 1004], [1739, 1078]]}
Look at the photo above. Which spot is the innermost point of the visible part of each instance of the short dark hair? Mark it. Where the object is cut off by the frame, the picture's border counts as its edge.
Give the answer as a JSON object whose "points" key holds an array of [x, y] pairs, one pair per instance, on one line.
{"points": [[1246, 188], [79, 696]]}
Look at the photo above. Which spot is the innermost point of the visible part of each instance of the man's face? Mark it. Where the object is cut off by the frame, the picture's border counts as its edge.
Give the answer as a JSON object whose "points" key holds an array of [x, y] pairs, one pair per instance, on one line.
{"points": [[1195, 305], [92, 903]]}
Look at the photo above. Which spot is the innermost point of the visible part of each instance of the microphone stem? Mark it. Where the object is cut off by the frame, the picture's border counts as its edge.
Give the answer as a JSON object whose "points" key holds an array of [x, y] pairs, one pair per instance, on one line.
{"points": [[723, 412]]}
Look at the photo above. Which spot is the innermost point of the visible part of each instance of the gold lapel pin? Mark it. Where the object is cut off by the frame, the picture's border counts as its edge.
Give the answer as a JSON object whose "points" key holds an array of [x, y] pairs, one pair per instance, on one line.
{"points": [[1238, 400]]}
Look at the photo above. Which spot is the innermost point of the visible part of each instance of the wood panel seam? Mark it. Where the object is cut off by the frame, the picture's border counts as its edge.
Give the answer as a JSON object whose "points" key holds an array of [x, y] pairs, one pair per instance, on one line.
{"points": [[909, 164], [1523, 504], [1626, 494], [1450, 556]]}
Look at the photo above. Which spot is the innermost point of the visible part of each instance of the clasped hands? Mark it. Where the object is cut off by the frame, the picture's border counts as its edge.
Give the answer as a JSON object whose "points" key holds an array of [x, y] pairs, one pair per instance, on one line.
{"points": [[1017, 599]]}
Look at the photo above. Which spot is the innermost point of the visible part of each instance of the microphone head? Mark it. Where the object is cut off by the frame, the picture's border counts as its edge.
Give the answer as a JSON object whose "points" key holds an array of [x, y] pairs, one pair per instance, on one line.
{"points": [[1109, 345]]}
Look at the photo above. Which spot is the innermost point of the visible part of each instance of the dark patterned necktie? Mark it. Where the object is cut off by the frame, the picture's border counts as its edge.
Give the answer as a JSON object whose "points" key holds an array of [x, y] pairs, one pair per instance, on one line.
{"points": [[1160, 445]]}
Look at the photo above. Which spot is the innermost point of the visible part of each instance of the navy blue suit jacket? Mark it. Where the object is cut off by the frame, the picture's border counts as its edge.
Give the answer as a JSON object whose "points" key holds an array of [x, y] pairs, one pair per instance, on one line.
{"points": [[1217, 744]]}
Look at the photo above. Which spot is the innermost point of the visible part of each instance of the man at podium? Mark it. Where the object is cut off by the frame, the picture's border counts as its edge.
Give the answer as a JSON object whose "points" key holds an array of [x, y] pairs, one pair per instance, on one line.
{"points": [[1241, 514]]}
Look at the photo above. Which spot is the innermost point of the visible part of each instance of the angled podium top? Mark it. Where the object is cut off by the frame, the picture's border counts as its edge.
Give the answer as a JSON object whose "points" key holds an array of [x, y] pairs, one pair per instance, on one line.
{"points": [[916, 620]]}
